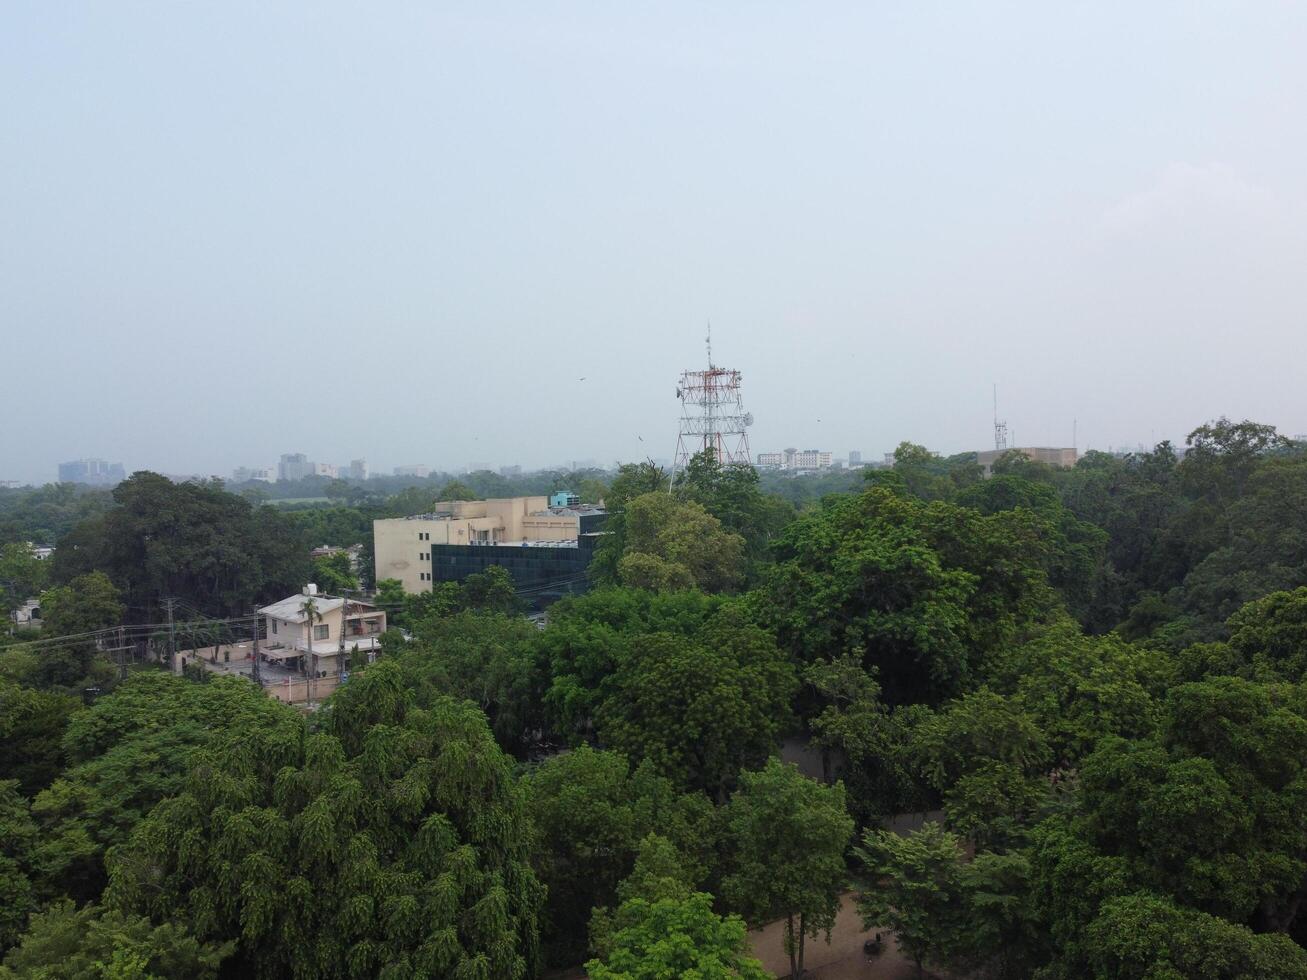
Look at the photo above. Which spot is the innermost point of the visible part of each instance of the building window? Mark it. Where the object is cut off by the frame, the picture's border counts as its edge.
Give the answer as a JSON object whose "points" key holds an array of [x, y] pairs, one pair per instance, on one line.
{"points": [[273, 624], [321, 632]]}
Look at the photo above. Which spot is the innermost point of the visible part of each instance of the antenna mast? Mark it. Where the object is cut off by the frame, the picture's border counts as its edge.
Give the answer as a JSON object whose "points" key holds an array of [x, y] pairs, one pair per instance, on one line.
{"points": [[1000, 428], [712, 415]]}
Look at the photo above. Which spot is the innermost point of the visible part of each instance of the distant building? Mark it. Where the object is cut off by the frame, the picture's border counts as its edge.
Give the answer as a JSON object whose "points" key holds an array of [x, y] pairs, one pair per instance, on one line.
{"points": [[855, 458], [796, 459], [11, 484], [1064, 458], [358, 469], [28, 614], [416, 469], [294, 466], [519, 531], [329, 470], [92, 472], [291, 637], [246, 474]]}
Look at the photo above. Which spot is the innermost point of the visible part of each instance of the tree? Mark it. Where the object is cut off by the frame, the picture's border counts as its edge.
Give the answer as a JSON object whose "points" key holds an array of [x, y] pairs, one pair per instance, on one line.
{"points": [[925, 593], [192, 540], [787, 836], [632, 480], [18, 835], [393, 843], [703, 709], [67, 943], [309, 610], [456, 490], [22, 575], [689, 544], [592, 813], [32, 725], [125, 753], [1142, 936], [731, 494], [672, 937], [915, 889], [487, 658], [87, 603], [333, 574]]}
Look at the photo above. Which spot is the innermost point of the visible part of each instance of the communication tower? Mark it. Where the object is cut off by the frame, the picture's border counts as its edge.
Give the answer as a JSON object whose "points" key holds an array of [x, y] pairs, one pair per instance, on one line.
{"points": [[1000, 427], [712, 415]]}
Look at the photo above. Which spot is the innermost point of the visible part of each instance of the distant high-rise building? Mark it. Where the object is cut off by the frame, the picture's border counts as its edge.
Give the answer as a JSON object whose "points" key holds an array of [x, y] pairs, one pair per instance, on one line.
{"points": [[294, 466], [855, 457], [244, 474], [417, 469], [328, 470], [92, 472], [358, 469], [796, 459]]}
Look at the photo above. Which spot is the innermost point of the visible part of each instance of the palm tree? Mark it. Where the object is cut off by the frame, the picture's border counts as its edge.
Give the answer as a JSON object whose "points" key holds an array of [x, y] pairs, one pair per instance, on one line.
{"points": [[309, 607]]}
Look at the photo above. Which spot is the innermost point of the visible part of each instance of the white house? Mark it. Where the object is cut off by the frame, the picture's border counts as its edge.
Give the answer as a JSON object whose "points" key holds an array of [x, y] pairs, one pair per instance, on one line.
{"points": [[304, 631]]}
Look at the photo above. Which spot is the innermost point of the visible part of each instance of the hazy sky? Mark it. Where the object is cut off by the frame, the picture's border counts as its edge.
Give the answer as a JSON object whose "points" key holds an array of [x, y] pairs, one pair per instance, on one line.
{"points": [[405, 231]]}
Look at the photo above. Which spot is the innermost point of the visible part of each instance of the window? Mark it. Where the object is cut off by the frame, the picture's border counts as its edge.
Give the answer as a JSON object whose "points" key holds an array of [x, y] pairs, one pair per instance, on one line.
{"points": [[321, 632], [273, 624]]}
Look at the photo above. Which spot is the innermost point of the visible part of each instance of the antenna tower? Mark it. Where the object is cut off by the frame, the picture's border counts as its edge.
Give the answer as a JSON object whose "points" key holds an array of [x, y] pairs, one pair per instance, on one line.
{"points": [[712, 415], [1000, 428]]}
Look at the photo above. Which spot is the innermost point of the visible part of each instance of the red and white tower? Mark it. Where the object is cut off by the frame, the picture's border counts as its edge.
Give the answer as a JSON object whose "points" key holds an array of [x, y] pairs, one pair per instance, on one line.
{"points": [[712, 416]]}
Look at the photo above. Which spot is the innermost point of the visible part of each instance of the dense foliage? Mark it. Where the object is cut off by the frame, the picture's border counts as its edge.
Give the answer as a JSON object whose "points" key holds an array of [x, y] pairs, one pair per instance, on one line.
{"points": [[1092, 682]]}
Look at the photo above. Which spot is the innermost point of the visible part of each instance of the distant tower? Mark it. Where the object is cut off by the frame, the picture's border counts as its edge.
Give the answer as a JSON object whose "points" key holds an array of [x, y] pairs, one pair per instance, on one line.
{"points": [[1000, 428], [712, 416]]}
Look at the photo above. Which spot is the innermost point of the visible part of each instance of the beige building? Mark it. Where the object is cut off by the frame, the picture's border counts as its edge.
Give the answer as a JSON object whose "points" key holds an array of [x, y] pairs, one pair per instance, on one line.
{"points": [[1065, 458], [290, 637], [403, 544]]}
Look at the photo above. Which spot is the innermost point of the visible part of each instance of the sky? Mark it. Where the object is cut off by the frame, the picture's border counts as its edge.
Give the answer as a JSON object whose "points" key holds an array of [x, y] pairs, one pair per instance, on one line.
{"points": [[495, 234]]}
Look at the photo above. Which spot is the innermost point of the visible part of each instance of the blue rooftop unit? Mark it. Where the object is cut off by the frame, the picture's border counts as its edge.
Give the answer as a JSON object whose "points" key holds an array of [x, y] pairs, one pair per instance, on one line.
{"points": [[563, 498]]}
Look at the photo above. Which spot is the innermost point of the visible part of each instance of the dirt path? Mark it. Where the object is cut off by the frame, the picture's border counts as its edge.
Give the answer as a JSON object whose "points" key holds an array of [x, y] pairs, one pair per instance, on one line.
{"points": [[843, 959]]}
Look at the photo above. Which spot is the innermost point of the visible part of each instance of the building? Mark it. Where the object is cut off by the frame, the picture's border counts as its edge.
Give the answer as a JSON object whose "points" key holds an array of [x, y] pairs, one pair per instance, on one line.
{"points": [[329, 470], [28, 615], [293, 466], [855, 458], [796, 459], [358, 469], [92, 472], [11, 484], [247, 474], [417, 469], [313, 648], [416, 550], [1064, 458]]}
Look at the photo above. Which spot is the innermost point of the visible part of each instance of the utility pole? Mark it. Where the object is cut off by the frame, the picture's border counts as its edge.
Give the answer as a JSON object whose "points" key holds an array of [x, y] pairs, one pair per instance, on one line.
{"points": [[254, 664], [340, 655], [168, 604]]}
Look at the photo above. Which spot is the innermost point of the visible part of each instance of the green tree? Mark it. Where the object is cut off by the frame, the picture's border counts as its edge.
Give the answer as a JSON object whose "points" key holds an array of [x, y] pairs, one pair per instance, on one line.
{"points": [[703, 709], [592, 814], [486, 658], [927, 594], [1143, 936], [22, 575], [456, 490], [87, 603], [333, 574], [394, 843], [676, 938], [916, 890], [192, 540], [32, 725], [18, 834], [787, 837], [632, 480], [731, 494], [67, 943], [128, 751], [689, 543]]}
